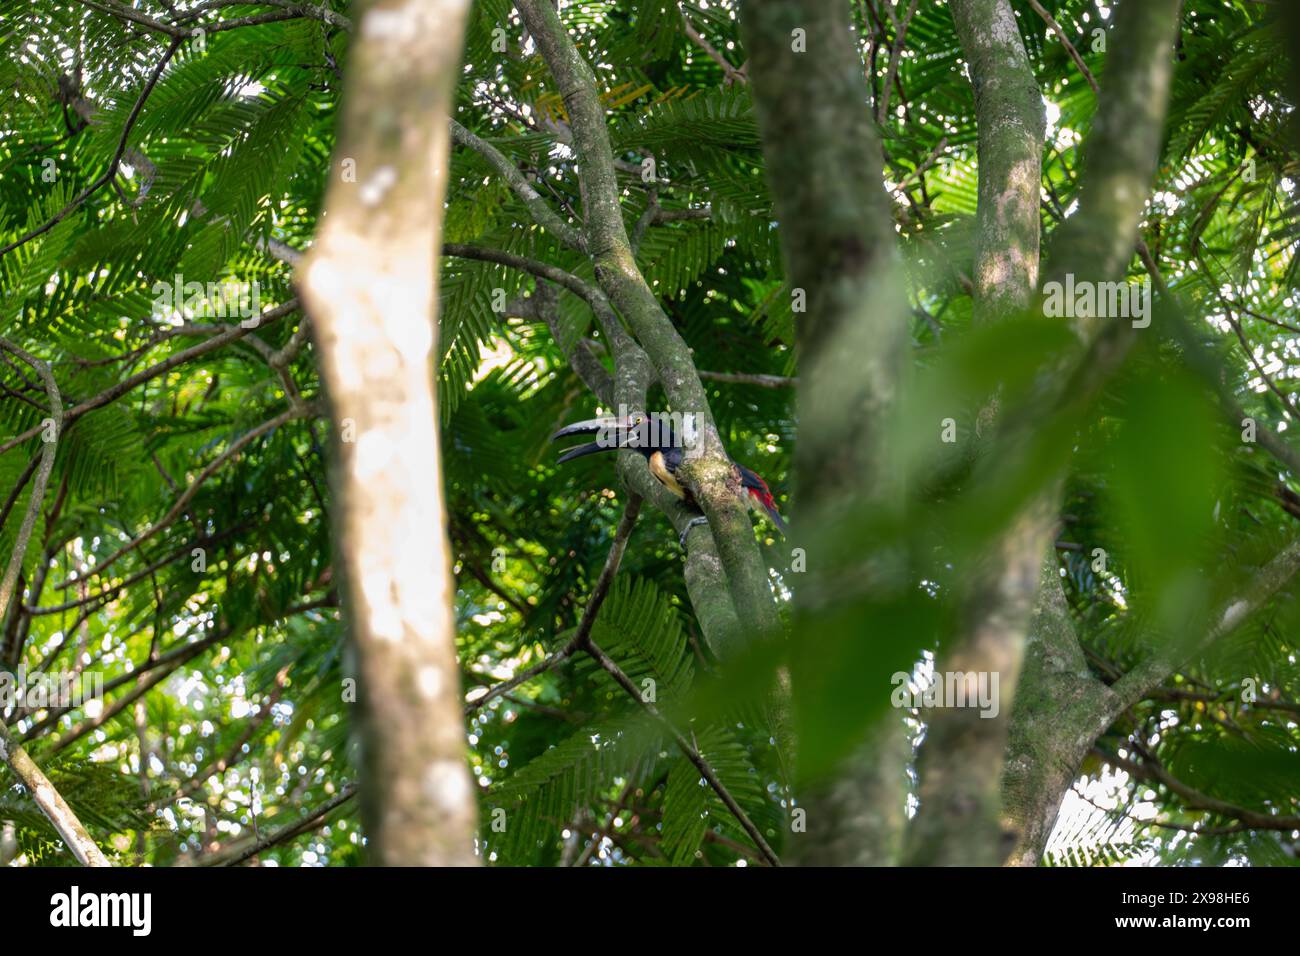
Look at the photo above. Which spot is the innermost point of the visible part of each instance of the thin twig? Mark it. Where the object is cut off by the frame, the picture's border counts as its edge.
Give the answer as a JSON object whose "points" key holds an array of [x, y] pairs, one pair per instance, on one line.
{"points": [[1287, 401], [895, 54], [1152, 770], [18, 489], [220, 764], [732, 74], [178, 508], [920, 171], [684, 745], [598, 595], [42, 473], [1065, 41], [752, 378], [108, 593], [306, 824], [521, 187], [115, 392]]}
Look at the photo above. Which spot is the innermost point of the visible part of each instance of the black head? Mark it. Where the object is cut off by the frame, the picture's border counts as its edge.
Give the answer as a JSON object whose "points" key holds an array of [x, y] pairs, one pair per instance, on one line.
{"points": [[632, 431]]}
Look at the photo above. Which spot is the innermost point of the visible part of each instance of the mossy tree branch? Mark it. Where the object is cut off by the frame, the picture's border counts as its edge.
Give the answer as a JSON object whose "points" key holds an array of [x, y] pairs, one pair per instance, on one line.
{"points": [[708, 471], [706, 583], [1096, 243], [960, 763]]}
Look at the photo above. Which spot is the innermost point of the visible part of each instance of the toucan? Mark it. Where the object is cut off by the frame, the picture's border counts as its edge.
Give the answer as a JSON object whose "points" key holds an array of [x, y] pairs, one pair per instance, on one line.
{"points": [[663, 446]]}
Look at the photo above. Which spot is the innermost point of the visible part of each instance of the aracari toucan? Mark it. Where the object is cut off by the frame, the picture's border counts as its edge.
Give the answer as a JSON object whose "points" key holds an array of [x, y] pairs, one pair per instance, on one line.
{"points": [[662, 446]]}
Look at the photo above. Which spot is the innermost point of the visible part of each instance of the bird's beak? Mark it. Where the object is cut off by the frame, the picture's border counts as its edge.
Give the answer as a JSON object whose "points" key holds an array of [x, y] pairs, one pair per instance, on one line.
{"points": [[577, 451], [611, 434], [592, 426]]}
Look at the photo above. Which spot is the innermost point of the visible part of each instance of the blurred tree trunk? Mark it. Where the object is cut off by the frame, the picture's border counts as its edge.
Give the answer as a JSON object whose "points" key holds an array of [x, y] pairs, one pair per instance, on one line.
{"points": [[369, 283], [1060, 709], [1057, 715], [824, 166], [991, 790], [960, 763], [811, 100]]}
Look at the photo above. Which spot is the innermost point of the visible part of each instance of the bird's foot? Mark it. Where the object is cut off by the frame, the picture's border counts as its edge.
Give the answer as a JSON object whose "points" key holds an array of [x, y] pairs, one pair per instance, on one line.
{"points": [[698, 519]]}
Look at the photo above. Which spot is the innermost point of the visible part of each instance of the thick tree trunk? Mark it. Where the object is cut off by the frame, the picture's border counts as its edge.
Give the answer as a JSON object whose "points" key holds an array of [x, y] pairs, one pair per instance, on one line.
{"points": [[824, 165], [1057, 714], [858, 816], [1060, 709], [960, 762], [961, 820], [811, 111], [369, 285]]}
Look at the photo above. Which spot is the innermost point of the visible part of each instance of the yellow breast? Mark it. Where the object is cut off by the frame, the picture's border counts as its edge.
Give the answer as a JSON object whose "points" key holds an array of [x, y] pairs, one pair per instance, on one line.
{"points": [[664, 476]]}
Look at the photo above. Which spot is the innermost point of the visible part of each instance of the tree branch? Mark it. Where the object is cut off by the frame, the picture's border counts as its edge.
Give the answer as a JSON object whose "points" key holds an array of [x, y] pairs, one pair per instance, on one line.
{"points": [[178, 507], [50, 802], [48, 452], [1152, 671], [693, 755], [1098, 242], [47, 798], [370, 284], [708, 470], [309, 822], [1065, 42], [705, 582], [542, 213], [751, 378], [1124, 147], [108, 174], [729, 72], [895, 53], [113, 393], [1152, 770], [581, 635], [960, 765], [837, 239]]}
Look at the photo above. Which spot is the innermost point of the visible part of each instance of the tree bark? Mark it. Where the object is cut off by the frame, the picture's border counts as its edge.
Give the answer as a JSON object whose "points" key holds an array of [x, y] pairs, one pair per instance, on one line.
{"points": [[1121, 155], [959, 766], [823, 161], [50, 801], [708, 470], [1063, 708], [1054, 720], [369, 284], [46, 797], [1123, 149]]}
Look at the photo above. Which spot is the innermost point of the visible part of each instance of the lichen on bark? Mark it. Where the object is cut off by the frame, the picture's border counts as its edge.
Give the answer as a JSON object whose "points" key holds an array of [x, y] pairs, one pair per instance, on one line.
{"points": [[369, 284]]}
